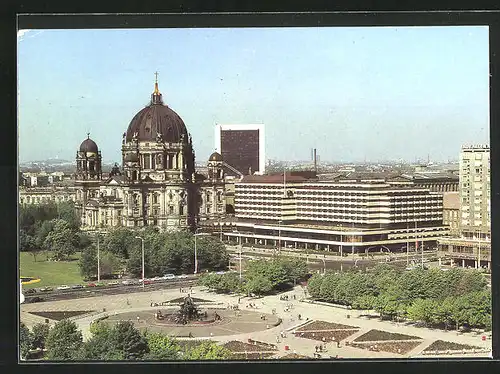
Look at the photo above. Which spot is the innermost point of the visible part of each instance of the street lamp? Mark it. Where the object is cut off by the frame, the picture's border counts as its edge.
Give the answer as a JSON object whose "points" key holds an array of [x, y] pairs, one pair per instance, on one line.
{"points": [[98, 263], [196, 234], [195, 252], [142, 242], [240, 248]]}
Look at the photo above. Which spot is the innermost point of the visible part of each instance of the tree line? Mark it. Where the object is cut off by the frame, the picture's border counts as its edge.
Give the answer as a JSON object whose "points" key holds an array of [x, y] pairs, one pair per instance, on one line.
{"points": [[164, 252], [457, 297], [51, 227], [120, 341], [55, 227], [261, 277]]}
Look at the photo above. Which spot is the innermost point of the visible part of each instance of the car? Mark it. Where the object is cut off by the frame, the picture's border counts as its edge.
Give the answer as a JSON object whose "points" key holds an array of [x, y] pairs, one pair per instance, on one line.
{"points": [[29, 291], [63, 287], [114, 283], [182, 276], [46, 289], [77, 286], [156, 279], [168, 276], [221, 272], [91, 285], [127, 282], [99, 284], [148, 281]]}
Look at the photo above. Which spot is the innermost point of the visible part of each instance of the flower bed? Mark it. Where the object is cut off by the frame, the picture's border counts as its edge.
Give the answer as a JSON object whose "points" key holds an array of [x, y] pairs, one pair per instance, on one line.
{"points": [[237, 346], [294, 356], [264, 345], [441, 345], [60, 315], [379, 335], [322, 325], [328, 335], [391, 347], [251, 356]]}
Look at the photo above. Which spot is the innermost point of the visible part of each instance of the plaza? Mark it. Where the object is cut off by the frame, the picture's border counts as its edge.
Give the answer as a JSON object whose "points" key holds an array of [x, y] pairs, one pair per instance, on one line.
{"points": [[249, 325]]}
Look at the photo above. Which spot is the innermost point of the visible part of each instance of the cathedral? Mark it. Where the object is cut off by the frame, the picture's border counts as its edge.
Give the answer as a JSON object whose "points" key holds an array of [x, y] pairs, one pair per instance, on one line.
{"points": [[157, 184]]}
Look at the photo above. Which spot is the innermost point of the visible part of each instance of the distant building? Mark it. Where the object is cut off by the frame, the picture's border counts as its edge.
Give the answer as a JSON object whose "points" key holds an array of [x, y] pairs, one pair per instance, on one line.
{"points": [[242, 147], [44, 195], [472, 246], [451, 211], [356, 216]]}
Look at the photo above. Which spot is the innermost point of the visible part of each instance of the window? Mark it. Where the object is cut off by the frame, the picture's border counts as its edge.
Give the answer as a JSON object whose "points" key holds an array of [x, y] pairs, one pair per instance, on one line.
{"points": [[171, 209], [155, 198]]}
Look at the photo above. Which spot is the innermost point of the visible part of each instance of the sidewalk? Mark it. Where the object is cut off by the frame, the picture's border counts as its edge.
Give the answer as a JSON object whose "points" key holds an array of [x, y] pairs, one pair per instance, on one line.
{"points": [[142, 300]]}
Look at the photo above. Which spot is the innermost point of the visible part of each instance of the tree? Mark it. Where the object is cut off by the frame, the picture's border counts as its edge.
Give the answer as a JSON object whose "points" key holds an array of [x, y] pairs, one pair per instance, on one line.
{"points": [[27, 243], [64, 341], [100, 345], [259, 285], [120, 241], [422, 310], [25, 340], [162, 347], [40, 333], [43, 229], [365, 302], [212, 253], [66, 211], [314, 286], [127, 339], [109, 263], [207, 351], [88, 262], [62, 240]]}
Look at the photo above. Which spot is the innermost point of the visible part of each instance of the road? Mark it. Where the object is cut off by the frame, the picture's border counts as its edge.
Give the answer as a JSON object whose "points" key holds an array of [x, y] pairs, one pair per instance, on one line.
{"points": [[110, 290]]}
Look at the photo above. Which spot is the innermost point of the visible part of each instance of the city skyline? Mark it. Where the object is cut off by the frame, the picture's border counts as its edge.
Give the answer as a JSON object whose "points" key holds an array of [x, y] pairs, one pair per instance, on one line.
{"points": [[334, 89]]}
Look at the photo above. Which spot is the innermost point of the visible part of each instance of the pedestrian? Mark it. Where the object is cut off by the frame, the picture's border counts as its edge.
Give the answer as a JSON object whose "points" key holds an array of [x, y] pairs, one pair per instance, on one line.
{"points": [[316, 348], [338, 344], [239, 300], [180, 289], [300, 317], [294, 297]]}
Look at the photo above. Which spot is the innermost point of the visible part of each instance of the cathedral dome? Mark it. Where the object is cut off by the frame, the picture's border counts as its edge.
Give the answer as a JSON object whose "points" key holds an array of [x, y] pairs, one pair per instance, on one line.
{"points": [[157, 119], [216, 156], [88, 146]]}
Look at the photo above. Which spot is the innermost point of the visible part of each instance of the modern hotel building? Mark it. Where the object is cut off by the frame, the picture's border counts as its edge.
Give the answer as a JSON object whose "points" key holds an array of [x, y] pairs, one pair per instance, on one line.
{"points": [[363, 215]]}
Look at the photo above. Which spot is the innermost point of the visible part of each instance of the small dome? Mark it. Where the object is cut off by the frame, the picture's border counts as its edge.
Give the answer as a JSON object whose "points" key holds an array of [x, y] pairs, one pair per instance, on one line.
{"points": [[89, 146], [131, 157], [215, 157]]}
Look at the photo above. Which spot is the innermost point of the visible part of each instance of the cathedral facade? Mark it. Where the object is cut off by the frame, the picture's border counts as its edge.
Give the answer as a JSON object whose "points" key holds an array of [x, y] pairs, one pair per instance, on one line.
{"points": [[157, 184]]}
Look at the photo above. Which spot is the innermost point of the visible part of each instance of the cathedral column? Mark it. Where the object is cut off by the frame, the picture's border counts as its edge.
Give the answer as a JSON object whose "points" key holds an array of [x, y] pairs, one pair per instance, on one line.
{"points": [[181, 161], [167, 161]]}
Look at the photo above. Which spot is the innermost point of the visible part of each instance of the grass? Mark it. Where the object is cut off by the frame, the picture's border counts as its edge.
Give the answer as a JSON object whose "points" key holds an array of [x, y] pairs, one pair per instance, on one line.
{"points": [[51, 273]]}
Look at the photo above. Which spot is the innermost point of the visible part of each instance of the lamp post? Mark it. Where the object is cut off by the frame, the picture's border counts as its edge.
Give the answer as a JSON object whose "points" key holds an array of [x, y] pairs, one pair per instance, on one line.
{"points": [[407, 247], [279, 237], [195, 252], [142, 243], [98, 261], [479, 250], [240, 261]]}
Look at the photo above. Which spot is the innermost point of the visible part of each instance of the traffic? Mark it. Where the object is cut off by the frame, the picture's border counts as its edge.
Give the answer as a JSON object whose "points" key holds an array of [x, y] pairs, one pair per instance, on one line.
{"points": [[106, 287]]}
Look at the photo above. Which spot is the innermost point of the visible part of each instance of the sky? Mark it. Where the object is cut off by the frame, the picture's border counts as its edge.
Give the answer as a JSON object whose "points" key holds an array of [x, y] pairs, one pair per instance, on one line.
{"points": [[355, 94]]}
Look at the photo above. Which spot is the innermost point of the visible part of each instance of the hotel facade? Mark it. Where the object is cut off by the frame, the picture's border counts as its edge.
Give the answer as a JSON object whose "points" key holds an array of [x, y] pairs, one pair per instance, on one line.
{"points": [[356, 216]]}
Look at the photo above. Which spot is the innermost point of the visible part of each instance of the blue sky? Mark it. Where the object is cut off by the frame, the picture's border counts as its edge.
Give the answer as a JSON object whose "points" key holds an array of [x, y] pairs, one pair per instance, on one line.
{"points": [[353, 93]]}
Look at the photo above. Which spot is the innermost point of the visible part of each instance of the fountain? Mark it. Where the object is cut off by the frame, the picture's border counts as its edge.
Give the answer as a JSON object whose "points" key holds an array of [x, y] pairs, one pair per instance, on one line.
{"points": [[187, 313]]}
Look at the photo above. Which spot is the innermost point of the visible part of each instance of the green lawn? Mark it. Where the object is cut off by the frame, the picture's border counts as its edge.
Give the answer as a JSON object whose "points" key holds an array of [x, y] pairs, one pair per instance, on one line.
{"points": [[51, 273]]}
